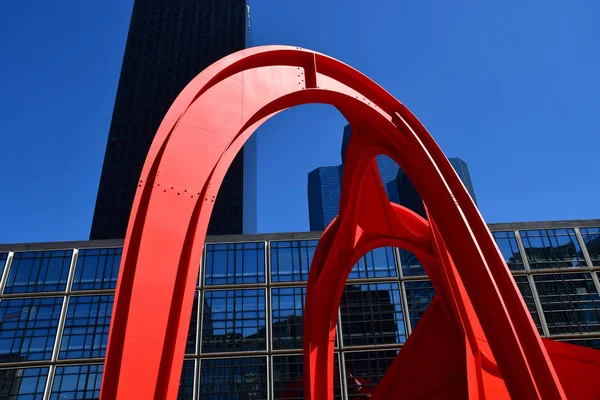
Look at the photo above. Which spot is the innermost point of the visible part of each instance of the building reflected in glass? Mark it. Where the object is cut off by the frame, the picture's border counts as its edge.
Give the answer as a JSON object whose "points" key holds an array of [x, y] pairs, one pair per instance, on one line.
{"points": [[246, 333]]}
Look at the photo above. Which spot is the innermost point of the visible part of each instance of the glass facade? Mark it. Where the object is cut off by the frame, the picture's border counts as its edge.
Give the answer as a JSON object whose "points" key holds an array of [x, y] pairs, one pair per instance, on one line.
{"points": [[245, 338]]}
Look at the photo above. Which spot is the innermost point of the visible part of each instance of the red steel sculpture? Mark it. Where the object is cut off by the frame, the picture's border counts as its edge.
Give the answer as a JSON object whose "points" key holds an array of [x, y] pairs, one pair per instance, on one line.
{"points": [[476, 339]]}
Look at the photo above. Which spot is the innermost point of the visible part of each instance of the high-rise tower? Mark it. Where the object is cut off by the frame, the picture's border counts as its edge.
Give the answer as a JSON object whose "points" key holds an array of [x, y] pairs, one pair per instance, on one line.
{"points": [[169, 43]]}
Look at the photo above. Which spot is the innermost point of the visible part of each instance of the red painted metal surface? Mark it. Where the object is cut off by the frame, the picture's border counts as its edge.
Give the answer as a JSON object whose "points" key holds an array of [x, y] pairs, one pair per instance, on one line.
{"points": [[476, 340]]}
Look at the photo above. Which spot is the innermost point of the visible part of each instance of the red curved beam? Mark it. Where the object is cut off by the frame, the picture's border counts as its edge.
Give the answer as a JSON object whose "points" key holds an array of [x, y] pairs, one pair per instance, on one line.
{"points": [[478, 326]]}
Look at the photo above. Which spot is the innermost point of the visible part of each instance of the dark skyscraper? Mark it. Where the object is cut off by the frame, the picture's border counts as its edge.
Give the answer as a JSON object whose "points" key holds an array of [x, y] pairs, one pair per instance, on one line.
{"points": [[169, 43], [410, 198]]}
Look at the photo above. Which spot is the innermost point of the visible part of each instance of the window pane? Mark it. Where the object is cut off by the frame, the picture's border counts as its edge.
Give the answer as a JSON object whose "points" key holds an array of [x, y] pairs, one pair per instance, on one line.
{"points": [[86, 327], [290, 261], [552, 248], [23, 383], [288, 382], [234, 263], [288, 317], [525, 289], [378, 263], [28, 328], [234, 320], [186, 383], [411, 266], [97, 269], [418, 295], [77, 382], [39, 271], [591, 238], [570, 302], [507, 242], [233, 378], [591, 343], [364, 371], [372, 314]]}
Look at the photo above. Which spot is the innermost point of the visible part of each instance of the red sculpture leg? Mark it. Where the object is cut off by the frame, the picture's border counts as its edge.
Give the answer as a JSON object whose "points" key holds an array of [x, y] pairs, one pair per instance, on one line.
{"points": [[490, 340]]}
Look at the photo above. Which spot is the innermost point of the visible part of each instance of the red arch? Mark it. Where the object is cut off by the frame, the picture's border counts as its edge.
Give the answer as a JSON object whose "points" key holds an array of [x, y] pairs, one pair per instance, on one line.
{"points": [[478, 326]]}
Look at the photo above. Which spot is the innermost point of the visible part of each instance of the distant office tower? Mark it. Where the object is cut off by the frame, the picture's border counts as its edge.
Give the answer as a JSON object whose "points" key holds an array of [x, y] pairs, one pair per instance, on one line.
{"points": [[324, 189], [325, 185], [169, 43], [410, 198]]}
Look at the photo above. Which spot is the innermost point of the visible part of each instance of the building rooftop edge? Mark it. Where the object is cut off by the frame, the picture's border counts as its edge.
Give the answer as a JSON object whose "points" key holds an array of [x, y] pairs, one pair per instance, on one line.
{"points": [[74, 244]]}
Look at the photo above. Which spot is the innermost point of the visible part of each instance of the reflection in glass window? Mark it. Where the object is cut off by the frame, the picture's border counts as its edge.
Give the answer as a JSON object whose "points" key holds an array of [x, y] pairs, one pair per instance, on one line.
{"points": [[233, 320], [233, 378], [3, 257], [190, 347], [364, 371], [552, 248], [39, 271], [290, 261], [591, 343], [77, 382], [507, 243], [235, 263], [418, 295], [97, 269], [28, 328], [411, 266], [378, 263], [372, 314], [288, 317], [23, 383], [86, 327], [288, 382], [186, 383], [591, 238], [525, 289], [570, 303]]}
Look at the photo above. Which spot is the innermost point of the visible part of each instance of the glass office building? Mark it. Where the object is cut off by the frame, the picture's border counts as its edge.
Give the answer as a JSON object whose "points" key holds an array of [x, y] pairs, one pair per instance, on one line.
{"points": [[245, 337], [325, 186]]}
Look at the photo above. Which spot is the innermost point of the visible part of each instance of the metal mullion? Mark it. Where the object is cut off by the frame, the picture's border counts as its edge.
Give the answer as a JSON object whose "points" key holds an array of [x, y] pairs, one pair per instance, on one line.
{"points": [[196, 379], [71, 276], [269, 381], [342, 371], [405, 309], [235, 354], [7, 265], [415, 278], [521, 247], [200, 333], [46, 363], [538, 305], [236, 287], [378, 347], [583, 335], [588, 259], [198, 372], [268, 263], [268, 321], [397, 263], [368, 281]]}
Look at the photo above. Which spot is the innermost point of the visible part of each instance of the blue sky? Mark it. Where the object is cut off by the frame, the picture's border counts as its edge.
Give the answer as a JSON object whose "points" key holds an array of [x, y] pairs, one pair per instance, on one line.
{"points": [[512, 87]]}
